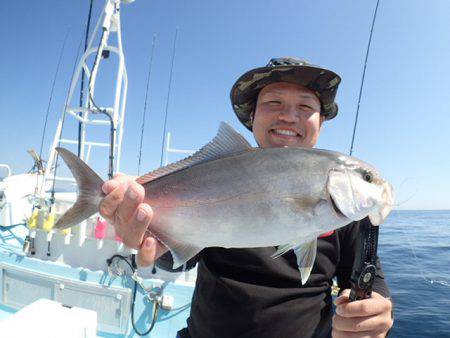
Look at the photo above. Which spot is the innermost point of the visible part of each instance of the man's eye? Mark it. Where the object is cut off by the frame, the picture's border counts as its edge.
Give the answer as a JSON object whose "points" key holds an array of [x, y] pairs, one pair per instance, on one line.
{"points": [[305, 107], [274, 102]]}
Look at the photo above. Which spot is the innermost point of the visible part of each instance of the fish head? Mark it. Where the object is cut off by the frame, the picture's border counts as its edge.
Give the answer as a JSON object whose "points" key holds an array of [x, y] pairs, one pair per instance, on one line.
{"points": [[357, 190]]}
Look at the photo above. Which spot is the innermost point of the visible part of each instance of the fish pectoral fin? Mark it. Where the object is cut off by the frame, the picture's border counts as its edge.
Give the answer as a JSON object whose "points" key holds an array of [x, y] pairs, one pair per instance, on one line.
{"points": [[282, 249], [306, 255], [306, 205], [182, 253]]}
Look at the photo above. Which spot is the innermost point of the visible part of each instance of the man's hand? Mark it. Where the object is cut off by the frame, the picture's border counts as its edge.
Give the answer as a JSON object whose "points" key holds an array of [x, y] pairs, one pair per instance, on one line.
{"points": [[123, 208], [368, 318]]}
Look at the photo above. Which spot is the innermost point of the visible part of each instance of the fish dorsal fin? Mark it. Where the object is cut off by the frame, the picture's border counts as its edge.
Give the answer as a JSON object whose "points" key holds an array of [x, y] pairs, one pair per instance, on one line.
{"points": [[226, 142]]}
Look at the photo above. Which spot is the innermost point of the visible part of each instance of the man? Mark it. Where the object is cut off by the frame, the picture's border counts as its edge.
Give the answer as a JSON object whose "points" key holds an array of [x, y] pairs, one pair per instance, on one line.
{"points": [[244, 292]]}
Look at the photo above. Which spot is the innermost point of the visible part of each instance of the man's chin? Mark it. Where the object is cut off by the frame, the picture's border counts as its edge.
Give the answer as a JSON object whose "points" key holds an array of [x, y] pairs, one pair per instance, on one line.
{"points": [[278, 143]]}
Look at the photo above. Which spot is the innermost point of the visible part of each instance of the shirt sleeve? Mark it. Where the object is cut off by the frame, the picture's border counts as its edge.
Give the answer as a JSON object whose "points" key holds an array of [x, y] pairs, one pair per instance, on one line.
{"points": [[165, 262], [347, 239]]}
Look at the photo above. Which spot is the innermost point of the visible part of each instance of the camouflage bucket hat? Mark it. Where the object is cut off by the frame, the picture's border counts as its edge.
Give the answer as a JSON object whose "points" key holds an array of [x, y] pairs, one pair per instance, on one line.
{"points": [[324, 83]]}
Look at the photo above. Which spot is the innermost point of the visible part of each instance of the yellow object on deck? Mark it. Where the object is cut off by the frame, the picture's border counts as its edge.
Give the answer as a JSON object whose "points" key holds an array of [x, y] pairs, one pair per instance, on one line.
{"points": [[65, 231], [49, 222], [33, 220]]}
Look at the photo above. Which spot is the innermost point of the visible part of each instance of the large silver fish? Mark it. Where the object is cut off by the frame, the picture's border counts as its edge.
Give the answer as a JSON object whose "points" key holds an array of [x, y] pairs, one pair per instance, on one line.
{"points": [[231, 195]]}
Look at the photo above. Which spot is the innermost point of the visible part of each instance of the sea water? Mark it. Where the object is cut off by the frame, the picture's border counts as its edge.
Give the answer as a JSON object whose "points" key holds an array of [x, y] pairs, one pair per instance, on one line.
{"points": [[414, 247]]}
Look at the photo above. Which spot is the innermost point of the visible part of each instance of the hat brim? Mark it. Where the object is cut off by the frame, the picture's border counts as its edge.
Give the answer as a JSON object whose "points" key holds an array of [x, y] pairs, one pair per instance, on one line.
{"points": [[322, 82]]}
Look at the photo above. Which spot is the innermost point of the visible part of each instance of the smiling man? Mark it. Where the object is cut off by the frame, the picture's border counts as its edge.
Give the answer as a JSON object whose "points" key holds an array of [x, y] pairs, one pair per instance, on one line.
{"points": [[287, 116], [245, 292]]}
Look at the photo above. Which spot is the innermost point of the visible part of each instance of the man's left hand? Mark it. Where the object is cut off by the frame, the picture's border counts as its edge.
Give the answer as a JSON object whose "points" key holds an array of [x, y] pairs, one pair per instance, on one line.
{"points": [[367, 318]]}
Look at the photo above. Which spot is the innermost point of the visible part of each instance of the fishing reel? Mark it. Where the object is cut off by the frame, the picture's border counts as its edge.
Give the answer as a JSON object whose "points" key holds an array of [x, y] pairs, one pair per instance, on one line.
{"points": [[364, 267]]}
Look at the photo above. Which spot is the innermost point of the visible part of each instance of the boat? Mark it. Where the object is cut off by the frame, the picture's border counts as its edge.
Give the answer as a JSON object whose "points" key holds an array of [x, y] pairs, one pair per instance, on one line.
{"points": [[87, 267]]}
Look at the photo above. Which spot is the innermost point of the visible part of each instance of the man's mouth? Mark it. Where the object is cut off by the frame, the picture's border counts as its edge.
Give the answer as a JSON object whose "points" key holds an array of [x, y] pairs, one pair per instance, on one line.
{"points": [[287, 133]]}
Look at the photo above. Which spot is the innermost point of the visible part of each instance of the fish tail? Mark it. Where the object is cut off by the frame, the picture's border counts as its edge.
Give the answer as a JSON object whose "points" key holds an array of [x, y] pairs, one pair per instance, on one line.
{"points": [[89, 191]]}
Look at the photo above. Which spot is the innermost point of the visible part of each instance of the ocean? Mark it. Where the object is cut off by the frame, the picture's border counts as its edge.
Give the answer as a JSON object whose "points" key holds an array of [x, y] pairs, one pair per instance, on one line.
{"points": [[414, 247]]}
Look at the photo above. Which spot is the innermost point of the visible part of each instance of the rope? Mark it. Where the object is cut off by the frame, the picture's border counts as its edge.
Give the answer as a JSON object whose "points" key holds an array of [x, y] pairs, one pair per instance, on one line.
{"points": [[145, 102], [363, 76]]}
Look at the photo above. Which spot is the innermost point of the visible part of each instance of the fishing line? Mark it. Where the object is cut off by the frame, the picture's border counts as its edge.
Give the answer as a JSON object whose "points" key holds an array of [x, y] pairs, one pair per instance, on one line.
{"points": [[408, 198], [363, 76], [420, 266], [145, 102], [411, 247]]}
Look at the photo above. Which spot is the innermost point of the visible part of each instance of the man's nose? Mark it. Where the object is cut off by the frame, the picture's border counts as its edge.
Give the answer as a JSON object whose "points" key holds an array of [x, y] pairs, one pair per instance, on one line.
{"points": [[289, 114]]}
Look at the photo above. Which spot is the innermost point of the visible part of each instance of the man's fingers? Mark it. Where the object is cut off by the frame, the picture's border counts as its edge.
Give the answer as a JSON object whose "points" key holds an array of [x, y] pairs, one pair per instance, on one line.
{"points": [[361, 324], [112, 184], [346, 334], [363, 308], [132, 231], [134, 195], [111, 202], [343, 297], [151, 249]]}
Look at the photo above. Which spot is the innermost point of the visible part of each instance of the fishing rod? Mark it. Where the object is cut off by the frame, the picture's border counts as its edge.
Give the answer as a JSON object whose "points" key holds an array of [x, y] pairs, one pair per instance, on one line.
{"points": [[363, 77], [166, 113], [145, 102], [29, 239], [86, 38], [364, 267], [38, 158], [168, 97], [51, 92]]}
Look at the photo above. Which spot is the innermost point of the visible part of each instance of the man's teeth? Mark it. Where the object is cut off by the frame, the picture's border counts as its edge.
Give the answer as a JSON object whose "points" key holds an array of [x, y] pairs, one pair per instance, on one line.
{"points": [[285, 132]]}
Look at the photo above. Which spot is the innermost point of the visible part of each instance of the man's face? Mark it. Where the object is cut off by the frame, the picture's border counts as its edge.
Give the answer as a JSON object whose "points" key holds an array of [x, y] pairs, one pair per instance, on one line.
{"points": [[286, 114]]}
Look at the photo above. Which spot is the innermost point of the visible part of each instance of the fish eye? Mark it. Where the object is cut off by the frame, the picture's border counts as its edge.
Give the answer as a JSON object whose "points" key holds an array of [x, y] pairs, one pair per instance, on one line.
{"points": [[368, 177]]}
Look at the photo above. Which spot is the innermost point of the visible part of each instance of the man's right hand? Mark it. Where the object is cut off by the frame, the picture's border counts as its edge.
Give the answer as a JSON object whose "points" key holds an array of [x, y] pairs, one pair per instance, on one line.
{"points": [[123, 207]]}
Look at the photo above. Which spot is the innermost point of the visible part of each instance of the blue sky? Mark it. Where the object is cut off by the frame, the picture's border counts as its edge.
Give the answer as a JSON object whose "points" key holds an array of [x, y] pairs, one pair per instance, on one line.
{"points": [[402, 129]]}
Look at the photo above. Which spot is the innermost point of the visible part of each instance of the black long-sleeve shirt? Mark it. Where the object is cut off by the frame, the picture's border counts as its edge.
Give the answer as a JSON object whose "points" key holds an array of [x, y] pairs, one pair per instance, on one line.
{"points": [[246, 293]]}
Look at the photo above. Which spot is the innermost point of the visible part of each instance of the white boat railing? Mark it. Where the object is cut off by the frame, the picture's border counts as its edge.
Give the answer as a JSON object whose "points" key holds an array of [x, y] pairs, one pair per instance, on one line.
{"points": [[174, 150], [8, 170]]}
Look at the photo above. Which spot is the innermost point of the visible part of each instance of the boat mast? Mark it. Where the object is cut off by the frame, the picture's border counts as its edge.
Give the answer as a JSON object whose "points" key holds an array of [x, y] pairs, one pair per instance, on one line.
{"points": [[87, 113]]}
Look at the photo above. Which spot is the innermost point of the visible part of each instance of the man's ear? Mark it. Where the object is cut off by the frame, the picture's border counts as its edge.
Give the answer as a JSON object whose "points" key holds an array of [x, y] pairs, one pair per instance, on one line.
{"points": [[322, 118]]}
